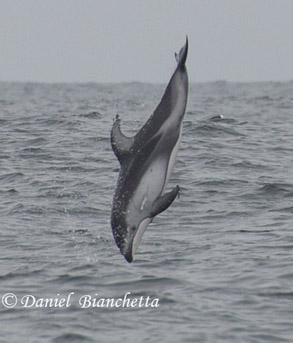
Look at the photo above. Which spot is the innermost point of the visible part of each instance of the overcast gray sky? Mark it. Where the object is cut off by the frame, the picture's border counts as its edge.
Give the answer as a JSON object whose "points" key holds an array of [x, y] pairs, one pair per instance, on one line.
{"points": [[135, 40]]}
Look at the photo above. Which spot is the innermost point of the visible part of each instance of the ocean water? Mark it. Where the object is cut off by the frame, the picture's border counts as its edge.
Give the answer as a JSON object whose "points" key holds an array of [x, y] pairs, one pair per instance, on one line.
{"points": [[217, 266]]}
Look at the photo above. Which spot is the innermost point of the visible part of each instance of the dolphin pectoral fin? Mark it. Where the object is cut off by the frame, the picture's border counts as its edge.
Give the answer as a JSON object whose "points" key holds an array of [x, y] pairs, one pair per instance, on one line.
{"points": [[121, 144], [164, 201]]}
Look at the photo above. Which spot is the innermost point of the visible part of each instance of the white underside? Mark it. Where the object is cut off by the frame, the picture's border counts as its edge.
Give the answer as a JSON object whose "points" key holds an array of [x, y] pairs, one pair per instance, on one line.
{"points": [[154, 180], [172, 159], [153, 184], [150, 187]]}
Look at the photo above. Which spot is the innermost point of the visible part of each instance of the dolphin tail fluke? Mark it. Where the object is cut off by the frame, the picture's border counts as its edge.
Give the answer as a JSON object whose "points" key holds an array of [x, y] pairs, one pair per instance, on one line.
{"points": [[164, 201], [121, 144], [182, 55]]}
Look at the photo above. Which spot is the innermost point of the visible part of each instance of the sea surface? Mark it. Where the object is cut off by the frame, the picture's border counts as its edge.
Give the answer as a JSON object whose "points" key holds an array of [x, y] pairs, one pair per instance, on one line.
{"points": [[217, 266]]}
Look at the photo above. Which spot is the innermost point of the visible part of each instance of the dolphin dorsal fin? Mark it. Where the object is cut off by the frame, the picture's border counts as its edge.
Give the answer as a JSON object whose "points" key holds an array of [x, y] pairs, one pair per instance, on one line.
{"points": [[121, 144]]}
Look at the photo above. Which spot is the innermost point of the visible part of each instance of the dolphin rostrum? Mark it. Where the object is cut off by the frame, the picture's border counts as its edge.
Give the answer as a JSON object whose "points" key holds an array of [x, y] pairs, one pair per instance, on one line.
{"points": [[146, 162]]}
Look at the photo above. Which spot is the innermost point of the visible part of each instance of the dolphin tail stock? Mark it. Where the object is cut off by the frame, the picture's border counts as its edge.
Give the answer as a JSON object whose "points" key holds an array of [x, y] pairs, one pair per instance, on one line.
{"points": [[164, 201], [121, 144], [182, 55]]}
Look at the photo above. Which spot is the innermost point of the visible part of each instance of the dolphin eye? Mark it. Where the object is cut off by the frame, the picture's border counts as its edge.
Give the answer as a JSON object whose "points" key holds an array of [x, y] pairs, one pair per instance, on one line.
{"points": [[133, 228]]}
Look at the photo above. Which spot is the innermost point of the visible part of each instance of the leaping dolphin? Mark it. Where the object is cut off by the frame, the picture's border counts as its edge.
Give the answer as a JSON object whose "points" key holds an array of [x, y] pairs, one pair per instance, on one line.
{"points": [[146, 162]]}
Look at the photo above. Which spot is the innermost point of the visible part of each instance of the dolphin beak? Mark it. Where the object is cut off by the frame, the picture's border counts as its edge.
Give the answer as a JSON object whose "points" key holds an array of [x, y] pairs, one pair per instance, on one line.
{"points": [[128, 251], [135, 237], [128, 256]]}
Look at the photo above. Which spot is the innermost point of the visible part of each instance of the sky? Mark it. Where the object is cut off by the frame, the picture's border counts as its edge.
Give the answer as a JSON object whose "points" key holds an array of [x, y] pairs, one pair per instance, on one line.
{"points": [[135, 40]]}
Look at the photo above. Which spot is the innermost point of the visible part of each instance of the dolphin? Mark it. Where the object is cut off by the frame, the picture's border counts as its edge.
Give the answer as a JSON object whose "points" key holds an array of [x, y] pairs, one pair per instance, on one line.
{"points": [[146, 162]]}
